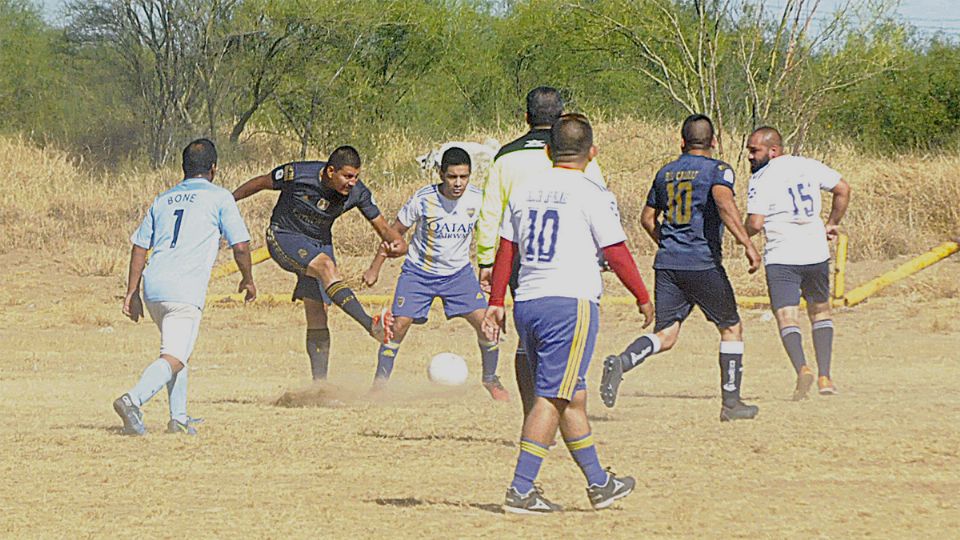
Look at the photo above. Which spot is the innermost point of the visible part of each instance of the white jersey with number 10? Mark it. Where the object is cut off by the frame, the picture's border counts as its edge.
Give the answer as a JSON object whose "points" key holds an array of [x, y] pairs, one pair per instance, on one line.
{"points": [[560, 220]]}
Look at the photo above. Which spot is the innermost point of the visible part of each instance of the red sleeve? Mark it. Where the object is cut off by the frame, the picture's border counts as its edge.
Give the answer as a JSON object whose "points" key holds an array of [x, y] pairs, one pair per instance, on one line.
{"points": [[502, 268], [622, 264]]}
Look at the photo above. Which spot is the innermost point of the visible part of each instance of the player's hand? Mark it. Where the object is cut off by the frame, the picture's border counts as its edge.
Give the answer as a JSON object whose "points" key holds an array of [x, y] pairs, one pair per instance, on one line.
{"points": [[397, 248], [133, 306], [833, 231], [647, 311], [486, 279], [370, 277], [494, 323], [249, 288], [753, 258]]}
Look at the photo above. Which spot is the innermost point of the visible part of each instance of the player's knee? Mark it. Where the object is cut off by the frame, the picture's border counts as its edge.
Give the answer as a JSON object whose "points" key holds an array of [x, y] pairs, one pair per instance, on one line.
{"points": [[787, 316], [818, 311], [175, 364], [323, 267], [668, 337], [400, 327], [732, 333]]}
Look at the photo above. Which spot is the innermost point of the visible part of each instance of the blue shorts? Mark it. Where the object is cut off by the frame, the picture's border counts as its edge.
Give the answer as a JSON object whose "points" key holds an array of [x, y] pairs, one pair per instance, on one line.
{"points": [[786, 283], [677, 291], [559, 335], [460, 293], [293, 252]]}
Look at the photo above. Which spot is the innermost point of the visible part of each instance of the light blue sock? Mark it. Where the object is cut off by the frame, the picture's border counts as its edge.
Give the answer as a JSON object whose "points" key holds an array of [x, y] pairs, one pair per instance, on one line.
{"points": [[153, 379], [177, 394]]}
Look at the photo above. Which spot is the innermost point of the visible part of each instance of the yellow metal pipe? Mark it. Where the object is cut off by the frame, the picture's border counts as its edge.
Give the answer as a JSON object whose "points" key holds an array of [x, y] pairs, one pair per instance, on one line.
{"points": [[905, 270], [257, 256], [840, 268]]}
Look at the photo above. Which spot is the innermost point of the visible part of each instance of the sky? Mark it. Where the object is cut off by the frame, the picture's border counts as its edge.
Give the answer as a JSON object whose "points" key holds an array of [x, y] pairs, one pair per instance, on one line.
{"points": [[929, 16]]}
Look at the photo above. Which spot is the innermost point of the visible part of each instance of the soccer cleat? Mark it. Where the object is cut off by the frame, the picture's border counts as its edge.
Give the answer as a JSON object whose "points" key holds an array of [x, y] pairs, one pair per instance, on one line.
{"points": [[130, 414], [616, 488], [738, 411], [181, 428], [611, 379], [532, 503], [826, 386], [382, 327], [496, 389], [804, 382]]}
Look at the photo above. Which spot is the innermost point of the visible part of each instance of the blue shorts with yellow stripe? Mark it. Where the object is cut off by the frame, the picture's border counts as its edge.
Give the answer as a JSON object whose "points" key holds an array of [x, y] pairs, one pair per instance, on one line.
{"points": [[558, 334]]}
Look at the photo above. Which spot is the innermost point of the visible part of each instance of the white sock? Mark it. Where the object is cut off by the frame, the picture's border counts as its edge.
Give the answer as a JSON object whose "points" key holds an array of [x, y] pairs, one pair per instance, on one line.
{"points": [[153, 379], [177, 394]]}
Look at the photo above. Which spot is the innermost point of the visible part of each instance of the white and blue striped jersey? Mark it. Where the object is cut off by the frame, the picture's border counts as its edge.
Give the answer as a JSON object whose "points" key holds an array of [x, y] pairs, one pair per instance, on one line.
{"points": [[441, 243], [183, 228]]}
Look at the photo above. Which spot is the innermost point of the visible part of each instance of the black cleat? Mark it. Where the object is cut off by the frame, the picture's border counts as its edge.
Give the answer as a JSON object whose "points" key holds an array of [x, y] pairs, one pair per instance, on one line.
{"points": [[616, 488], [611, 379], [531, 503], [738, 411], [130, 414]]}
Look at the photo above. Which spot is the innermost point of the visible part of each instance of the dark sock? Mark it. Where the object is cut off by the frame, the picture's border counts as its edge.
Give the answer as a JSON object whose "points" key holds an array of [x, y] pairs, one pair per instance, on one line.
{"points": [[318, 349], [731, 370], [584, 452], [638, 351], [344, 298], [489, 358], [525, 382], [823, 345], [386, 356], [793, 343], [528, 465]]}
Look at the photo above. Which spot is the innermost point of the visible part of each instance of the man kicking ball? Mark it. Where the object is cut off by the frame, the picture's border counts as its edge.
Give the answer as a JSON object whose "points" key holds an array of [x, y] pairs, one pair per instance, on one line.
{"points": [[438, 265]]}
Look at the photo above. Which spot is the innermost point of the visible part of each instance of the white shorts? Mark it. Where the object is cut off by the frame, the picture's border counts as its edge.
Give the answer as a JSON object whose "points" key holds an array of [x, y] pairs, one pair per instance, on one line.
{"points": [[179, 325]]}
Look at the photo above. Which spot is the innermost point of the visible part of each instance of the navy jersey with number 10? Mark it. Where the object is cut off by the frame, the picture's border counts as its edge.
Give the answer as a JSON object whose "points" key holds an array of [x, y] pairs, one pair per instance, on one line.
{"points": [[691, 230]]}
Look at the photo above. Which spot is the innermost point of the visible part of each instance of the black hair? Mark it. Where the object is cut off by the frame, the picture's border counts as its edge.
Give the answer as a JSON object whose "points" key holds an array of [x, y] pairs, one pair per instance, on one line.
{"points": [[769, 135], [697, 132], [454, 156], [571, 137], [199, 157], [544, 106], [344, 156]]}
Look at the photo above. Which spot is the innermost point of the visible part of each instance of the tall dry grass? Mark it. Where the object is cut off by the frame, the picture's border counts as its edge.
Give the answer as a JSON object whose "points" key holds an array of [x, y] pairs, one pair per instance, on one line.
{"points": [[59, 205]]}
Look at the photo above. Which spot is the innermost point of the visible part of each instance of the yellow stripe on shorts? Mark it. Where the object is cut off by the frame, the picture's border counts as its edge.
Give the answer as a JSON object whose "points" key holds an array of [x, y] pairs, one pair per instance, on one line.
{"points": [[575, 357], [534, 449]]}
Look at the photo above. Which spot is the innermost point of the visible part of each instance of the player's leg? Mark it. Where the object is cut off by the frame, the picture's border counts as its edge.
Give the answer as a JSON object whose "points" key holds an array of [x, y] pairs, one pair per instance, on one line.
{"points": [[672, 308], [816, 291], [318, 333], [489, 358], [387, 353], [412, 299], [180, 422], [324, 268], [783, 286]]}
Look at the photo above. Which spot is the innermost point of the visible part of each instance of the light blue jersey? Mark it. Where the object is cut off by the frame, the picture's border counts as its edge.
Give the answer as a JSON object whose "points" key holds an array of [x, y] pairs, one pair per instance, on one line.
{"points": [[183, 229]]}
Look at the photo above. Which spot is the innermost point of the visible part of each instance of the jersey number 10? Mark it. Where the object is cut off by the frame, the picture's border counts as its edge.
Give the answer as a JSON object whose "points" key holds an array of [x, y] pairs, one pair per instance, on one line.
{"points": [[679, 202], [539, 246]]}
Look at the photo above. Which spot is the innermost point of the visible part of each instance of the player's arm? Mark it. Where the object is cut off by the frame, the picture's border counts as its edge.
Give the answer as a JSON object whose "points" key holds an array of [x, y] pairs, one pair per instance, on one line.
{"points": [[253, 186], [241, 254], [841, 200], [132, 305], [494, 319], [650, 221], [730, 215], [393, 243], [754, 224], [623, 265], [372, 273]]}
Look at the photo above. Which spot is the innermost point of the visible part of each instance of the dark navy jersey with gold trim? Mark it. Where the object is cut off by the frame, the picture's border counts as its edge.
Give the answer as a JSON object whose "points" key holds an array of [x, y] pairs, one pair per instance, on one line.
{"points": [[691, 230], [308, 207]]}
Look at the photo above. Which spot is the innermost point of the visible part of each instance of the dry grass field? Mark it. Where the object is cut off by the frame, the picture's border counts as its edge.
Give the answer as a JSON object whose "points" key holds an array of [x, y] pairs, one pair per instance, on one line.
{"points": [[882, 459]]}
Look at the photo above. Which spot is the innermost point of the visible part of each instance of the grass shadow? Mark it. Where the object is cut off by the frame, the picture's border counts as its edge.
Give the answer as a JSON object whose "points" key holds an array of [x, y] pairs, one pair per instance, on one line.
{"points": [[114, 430], [409, 502], [376, 434]]}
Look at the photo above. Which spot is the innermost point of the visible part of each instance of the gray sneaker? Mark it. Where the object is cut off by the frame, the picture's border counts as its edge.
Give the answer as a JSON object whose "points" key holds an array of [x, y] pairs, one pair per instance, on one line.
{"points": [[611, 379], [738, 411], [531, 503], [183, 428], [130, 414], [616, 488]]}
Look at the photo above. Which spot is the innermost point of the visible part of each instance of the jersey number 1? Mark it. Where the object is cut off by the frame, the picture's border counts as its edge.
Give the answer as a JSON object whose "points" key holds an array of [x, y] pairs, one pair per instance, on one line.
{"points": [[539, 246], [176, 226]]}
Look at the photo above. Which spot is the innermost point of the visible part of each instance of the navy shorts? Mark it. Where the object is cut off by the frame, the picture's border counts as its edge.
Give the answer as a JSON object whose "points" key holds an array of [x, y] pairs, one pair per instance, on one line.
{"points": [[293, 252], [559, 335], [460, 293], [787, 282], [677, 291]]}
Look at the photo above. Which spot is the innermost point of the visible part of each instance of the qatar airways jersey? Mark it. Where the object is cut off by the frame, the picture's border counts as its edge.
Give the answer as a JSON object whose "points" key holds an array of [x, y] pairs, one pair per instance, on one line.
{"points": [[441, 242], [560, 219], [786, 191]]}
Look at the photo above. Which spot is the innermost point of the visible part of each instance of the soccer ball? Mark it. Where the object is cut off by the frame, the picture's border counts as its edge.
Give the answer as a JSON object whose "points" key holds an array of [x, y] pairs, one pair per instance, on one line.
{"points": [[448, 369]]}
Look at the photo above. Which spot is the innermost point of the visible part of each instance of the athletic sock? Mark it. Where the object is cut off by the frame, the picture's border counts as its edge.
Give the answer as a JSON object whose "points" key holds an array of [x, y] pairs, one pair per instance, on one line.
{"points": [[643, 347], [823, 345], [385, 359], [731, 370], [318, 349], [489, 358], [177, 395], [584, 452], [525, 382], [344, 298], [153, 379], [528, 465], [793, 343]]}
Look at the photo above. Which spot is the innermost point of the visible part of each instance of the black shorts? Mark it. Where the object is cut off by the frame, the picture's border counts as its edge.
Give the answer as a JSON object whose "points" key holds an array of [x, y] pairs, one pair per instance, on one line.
{"points": [[293, 252], [677, 291], [787, 282]]}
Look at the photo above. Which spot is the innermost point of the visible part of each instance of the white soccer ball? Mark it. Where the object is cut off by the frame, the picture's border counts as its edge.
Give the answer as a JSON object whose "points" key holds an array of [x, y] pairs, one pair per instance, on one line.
{"points": [[448, 369]]}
